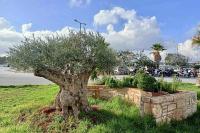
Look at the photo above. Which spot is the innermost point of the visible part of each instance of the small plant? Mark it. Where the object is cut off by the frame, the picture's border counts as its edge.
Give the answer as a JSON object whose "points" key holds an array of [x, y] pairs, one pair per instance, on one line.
{"points": [[127, 81], [111, 82], [102, 81], [146, 82], [160, 84], [60, 125], [175, 84], [168, 87], [136, 77]]}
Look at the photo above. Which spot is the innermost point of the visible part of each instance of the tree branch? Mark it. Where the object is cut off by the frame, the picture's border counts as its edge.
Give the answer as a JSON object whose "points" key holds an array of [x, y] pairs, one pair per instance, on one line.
{"points": [[52, 75]]}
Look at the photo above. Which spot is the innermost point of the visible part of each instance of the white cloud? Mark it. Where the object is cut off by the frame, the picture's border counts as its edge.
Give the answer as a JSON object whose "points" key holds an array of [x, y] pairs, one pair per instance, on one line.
{"points": [[113, 16], [10, 37], [190, 51], [138, 32], [26, 27], [4, 24], [78, 3]]}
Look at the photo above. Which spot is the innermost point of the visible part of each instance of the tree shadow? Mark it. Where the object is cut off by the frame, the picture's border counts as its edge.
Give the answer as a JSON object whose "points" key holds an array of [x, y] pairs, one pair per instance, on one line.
{"points": [[120, 123], [123, 123]]}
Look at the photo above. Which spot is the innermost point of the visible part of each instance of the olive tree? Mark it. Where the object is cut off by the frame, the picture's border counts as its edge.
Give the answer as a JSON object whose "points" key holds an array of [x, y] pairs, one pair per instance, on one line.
{"points": [[67, 61]]}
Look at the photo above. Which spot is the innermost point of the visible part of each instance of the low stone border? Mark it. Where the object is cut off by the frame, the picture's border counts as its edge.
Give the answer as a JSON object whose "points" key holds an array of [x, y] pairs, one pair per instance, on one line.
{"points": [[164, 108]]}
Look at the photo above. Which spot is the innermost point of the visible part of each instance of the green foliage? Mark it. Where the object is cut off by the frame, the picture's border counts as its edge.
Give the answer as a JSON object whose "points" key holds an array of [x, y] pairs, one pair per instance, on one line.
{"points": [[175, 83], [112, 82], [196, 66], [176, 59], [146, 82], [142, 60], [164, 86], [158, 47], [167, 86], [126, 58], [143, 81], [94, 75], [78, 52], [127, 81], [59, 125], [3, 60], [136, 77], [136, 59], [196, 39]]}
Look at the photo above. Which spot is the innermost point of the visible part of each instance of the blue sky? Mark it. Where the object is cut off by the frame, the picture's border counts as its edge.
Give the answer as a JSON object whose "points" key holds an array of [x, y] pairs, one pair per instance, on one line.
{"points": [[176, 17], [175, 20]]}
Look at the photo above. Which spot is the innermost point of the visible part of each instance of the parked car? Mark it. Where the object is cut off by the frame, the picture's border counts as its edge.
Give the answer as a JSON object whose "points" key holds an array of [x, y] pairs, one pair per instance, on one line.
{"points": [[121, 70]]}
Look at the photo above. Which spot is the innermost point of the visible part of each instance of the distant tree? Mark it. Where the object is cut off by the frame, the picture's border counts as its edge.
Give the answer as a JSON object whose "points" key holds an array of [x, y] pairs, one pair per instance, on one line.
{"points": [[141, 60], [68, 61], [137, 59], [176, 59], [157, 48], [126, 58], [3, 60]]}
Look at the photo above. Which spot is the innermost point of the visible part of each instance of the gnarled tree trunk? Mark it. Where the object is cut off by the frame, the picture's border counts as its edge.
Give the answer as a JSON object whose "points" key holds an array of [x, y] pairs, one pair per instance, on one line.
{"points": [[72, 97]]}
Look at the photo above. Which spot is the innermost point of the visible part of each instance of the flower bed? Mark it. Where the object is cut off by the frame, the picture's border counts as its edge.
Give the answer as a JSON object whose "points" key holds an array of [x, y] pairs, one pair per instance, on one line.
{"points": [[164, 107]]}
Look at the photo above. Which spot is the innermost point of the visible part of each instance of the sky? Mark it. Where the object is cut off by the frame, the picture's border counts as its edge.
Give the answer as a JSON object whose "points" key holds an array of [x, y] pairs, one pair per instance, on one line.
{"points": [[125, 24]]}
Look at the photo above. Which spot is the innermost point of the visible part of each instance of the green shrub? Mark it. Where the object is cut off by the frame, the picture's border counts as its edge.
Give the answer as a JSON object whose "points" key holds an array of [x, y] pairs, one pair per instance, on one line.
{"points": [[168, 87], [146, 82], [136, 77], [164, 86], [112, 82], [102, 81], [127, 81], [175, 84], [120, 84]]}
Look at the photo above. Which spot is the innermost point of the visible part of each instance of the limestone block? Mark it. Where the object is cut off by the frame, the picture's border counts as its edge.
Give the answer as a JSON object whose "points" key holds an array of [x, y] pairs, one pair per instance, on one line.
{"points": [[171, 107], [156, 100], [165, 104], [157, 110], [181, 103], [146, 99], [147, 108]]}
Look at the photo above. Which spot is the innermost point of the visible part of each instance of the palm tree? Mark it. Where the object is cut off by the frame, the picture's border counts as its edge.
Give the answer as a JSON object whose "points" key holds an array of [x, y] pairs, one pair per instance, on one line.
{"points": [[196, 43], [157, 48]]}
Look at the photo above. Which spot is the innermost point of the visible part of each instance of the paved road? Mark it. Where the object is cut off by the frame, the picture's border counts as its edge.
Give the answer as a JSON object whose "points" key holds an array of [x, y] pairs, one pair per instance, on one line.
{"points": [[10, 77]]}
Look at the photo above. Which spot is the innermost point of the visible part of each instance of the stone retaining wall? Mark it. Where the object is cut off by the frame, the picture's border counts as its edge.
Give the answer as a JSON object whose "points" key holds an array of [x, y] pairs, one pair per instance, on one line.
{"points": [[164, 108]]}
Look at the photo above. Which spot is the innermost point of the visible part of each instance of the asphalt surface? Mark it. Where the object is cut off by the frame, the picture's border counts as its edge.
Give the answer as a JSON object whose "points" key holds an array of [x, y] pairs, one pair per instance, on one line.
{"points": [[11, 77]]}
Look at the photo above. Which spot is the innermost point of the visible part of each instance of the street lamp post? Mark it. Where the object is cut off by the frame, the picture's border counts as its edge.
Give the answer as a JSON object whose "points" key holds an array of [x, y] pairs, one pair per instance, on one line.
{"points": [[80, 23]]}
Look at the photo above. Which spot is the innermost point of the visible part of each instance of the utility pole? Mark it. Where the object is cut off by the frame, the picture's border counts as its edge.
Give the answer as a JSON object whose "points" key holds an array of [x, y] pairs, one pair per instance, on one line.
{"points": [[80, 23]]}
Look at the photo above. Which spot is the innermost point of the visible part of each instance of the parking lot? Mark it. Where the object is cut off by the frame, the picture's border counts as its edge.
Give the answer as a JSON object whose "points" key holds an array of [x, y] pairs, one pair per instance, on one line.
{"points": [[10, 77]]}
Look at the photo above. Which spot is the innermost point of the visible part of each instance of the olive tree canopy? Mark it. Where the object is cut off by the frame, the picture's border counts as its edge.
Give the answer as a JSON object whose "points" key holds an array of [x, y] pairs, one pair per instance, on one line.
{"points": [[66, 60]]}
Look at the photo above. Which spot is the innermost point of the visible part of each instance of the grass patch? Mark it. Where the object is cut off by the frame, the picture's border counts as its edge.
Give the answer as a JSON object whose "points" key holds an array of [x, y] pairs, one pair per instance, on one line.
{"points": [[114, 116], [190, 87]]}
